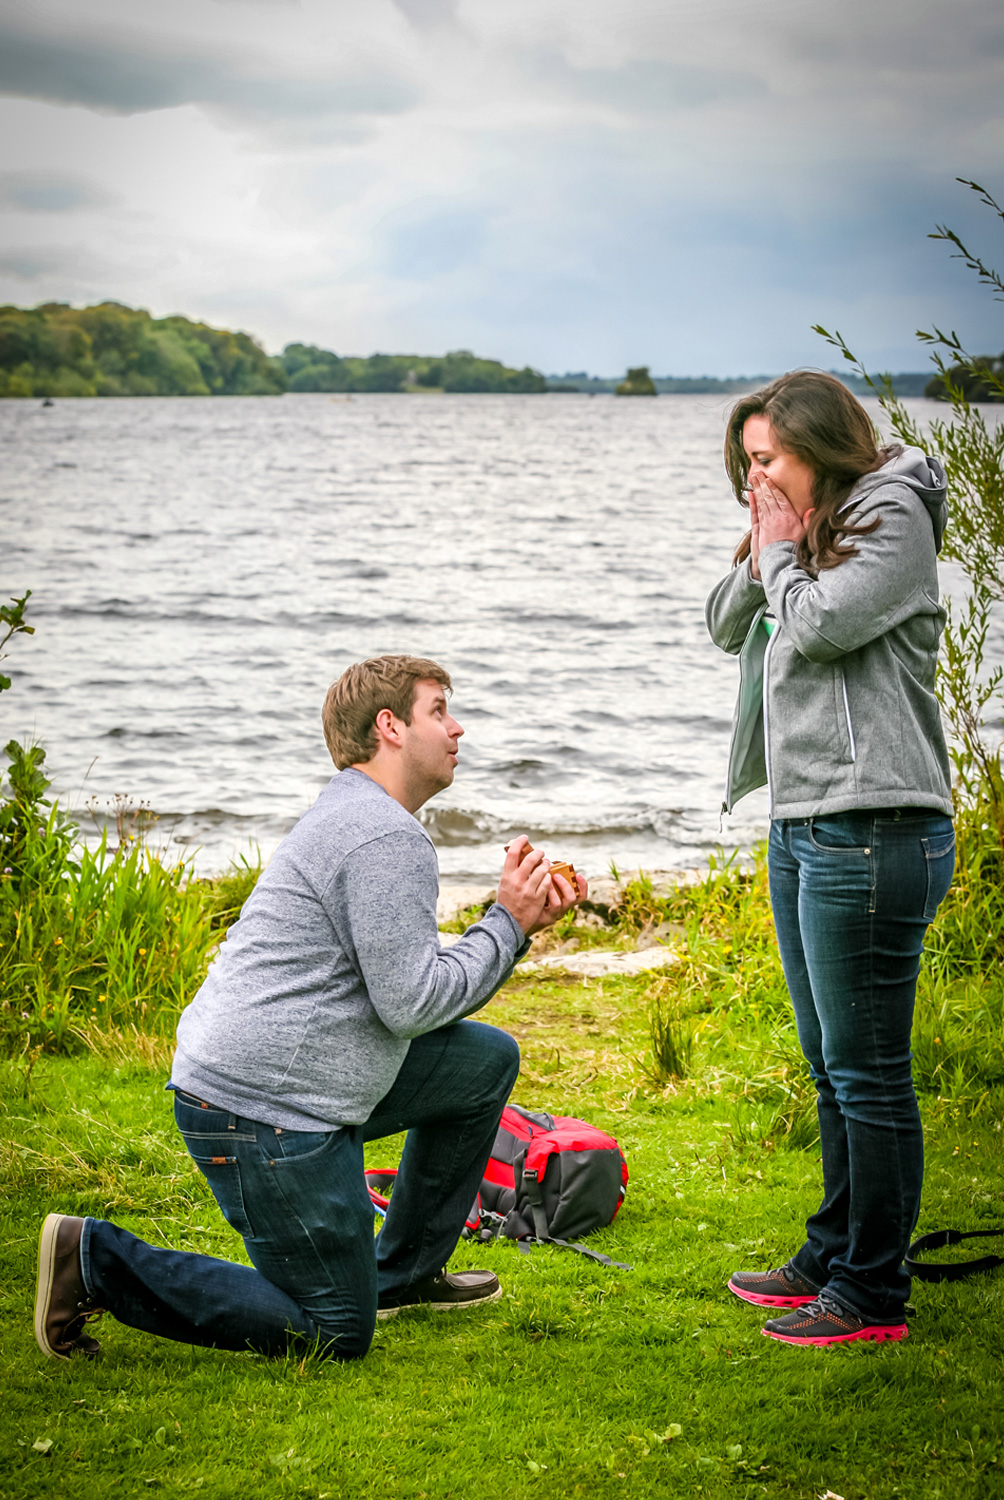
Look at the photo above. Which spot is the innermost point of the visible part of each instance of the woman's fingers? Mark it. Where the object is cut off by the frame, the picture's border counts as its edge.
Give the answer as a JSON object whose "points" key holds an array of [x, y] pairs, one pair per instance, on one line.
{"points": [[769, 497], [777, 519]]}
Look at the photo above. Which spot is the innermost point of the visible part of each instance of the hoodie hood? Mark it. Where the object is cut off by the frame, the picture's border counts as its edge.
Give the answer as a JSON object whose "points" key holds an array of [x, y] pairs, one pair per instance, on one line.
{"points": [[920, 472]]}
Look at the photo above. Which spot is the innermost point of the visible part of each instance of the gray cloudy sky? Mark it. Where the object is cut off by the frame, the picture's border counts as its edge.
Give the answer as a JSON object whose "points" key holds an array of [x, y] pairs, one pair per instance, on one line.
{"points": [[569, 183]]}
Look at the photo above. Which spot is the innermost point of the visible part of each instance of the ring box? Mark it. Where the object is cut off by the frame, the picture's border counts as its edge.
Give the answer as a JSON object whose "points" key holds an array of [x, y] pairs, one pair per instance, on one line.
{"points": [[561, 867], [557, 867]]}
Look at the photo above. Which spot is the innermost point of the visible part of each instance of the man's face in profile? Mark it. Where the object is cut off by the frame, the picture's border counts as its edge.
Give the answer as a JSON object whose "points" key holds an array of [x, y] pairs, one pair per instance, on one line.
{"points": [[431, 741]]}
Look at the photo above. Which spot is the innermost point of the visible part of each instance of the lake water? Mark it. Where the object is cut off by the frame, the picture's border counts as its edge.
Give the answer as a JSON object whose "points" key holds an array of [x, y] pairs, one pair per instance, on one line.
{"points": [[202, 569]]}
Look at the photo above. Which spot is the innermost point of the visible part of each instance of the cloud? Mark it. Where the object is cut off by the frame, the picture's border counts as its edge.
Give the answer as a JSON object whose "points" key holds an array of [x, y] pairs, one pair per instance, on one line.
{"points": [[690, 185], [428, 15], [941, 40], [113, 75], [425, 242], [51, 192], [37, 263], [644, 86]]}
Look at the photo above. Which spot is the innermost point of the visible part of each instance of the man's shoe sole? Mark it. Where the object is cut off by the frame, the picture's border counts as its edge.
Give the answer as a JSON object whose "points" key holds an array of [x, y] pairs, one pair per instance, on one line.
{"points": [[760, 1301], [391, 1312], [875, 1333], [46, 1273]]}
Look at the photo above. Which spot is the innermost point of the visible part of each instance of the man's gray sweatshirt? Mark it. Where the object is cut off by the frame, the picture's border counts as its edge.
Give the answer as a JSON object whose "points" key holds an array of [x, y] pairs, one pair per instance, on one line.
{"points": [[305, 1016]]}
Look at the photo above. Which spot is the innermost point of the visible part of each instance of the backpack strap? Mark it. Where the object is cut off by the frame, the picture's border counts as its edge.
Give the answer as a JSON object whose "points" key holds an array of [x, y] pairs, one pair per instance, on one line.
{"points": [[603, 1260], [531, 1181], [486, 1226], [950, 1270]]}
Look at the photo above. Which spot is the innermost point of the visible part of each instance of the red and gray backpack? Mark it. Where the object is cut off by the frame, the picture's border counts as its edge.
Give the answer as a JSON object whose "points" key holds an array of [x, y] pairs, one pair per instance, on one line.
{"points": [[549, 1179]]}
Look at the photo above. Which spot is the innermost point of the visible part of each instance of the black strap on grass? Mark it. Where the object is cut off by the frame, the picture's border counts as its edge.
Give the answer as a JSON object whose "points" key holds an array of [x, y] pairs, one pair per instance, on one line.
{"points": [[950, 1270], [491, 1224], [604, 1260]]}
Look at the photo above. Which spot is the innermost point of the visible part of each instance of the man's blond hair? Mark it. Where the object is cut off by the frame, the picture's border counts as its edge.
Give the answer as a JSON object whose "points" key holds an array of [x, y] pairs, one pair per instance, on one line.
{"points": [[353, 702]]}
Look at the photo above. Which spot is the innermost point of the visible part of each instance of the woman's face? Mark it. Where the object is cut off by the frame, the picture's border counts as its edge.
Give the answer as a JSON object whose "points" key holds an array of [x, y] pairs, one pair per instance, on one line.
{"points": [[791, 475]]}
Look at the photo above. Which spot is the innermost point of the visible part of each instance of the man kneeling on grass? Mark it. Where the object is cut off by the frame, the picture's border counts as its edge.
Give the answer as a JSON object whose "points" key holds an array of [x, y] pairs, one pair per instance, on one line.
{"points": [[331, 1017]]}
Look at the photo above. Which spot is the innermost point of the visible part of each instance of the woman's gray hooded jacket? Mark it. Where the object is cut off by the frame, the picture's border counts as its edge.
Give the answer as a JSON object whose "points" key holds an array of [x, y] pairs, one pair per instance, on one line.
{"points": [[837, 708]]}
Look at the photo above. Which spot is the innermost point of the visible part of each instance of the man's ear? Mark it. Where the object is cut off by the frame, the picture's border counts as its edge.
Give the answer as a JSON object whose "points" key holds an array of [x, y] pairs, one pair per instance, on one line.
{"points": [[388, 729]]}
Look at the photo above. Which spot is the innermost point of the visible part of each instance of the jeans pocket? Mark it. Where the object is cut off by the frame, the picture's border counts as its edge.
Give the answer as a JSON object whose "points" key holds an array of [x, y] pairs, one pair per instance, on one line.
{"points": [[204, 1122], [223, 1173], [213, 1147], [301, 1145], [939, 857], [841, 833]]}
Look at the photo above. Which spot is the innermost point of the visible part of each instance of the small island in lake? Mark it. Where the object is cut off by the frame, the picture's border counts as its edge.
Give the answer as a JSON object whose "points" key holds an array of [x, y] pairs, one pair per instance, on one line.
{"points": [[637, 383]]}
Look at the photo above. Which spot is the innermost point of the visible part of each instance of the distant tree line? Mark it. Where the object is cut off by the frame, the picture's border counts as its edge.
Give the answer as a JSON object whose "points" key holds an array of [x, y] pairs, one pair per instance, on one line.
{"points": [[111, 350], [308, 368], [905, 384], [664, 385]]}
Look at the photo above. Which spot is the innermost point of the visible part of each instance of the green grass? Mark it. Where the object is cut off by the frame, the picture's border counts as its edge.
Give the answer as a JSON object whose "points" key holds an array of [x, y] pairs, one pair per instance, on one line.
{"points": [[581, 1381]]}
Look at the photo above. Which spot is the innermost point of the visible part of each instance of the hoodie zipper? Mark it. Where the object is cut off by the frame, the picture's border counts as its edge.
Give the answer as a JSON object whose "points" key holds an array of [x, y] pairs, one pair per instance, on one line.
{"points": [[847, 716], [766, 726], [737, 721]]}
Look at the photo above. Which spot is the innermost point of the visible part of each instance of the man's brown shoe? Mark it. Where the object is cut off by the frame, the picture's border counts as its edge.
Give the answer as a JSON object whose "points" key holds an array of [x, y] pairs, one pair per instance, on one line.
{"points": [[446, 1292], [63, 1307]]}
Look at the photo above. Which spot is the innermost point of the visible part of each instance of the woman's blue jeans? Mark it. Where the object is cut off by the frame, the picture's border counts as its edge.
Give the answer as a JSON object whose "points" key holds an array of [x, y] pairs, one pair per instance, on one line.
{"points": [[299, 1201], [852, 896]]}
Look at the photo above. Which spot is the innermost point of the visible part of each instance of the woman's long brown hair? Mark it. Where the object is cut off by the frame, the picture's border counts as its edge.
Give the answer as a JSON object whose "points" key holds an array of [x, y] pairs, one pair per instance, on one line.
{"points": [[815, 417]]}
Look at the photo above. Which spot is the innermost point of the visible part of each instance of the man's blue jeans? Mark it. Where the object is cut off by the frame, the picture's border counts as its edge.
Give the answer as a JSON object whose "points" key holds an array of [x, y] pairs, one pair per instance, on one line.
{"points": [[299, 1201], [852, 896]]}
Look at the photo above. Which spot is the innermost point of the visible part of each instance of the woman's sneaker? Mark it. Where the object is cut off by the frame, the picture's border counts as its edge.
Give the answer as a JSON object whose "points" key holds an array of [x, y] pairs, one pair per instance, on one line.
{"points": [[785, 1287], [827, 1321]]}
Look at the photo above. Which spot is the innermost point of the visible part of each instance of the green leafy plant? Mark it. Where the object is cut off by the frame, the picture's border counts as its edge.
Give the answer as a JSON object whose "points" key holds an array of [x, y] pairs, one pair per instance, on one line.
{"points": [[972, 449], [24, 807], [969, 932], [638, 905], [36, 837], [12, 618]]}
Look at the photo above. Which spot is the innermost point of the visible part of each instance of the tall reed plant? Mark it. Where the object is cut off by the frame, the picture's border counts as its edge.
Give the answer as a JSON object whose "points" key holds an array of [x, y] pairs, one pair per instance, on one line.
{"points": [[96, 939], [123, 939]]}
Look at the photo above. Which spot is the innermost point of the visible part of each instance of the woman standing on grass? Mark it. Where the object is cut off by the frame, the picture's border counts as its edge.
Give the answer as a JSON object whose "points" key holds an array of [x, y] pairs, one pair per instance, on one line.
{"points": [[832, 603]]}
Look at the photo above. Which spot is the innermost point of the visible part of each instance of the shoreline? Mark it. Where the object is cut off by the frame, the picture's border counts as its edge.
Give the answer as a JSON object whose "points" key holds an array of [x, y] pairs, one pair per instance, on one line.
{"points": [[459, 896]]}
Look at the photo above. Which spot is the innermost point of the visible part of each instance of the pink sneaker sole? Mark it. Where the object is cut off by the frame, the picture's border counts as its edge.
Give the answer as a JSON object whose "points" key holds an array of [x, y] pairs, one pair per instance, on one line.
{"points": [[876, 1333], [760, 1301]]}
